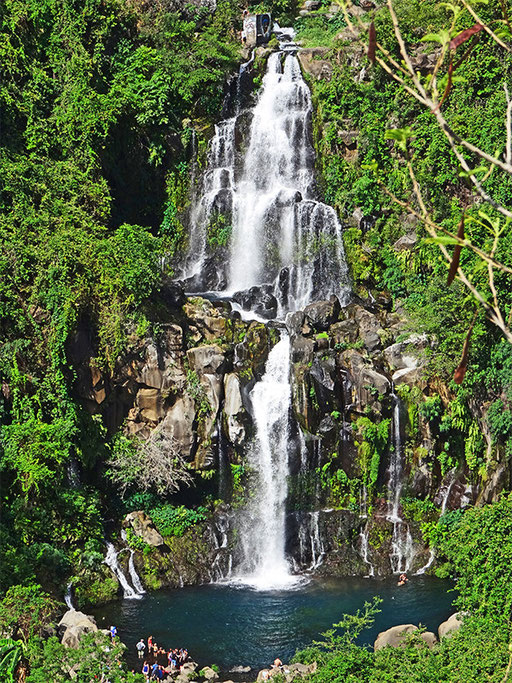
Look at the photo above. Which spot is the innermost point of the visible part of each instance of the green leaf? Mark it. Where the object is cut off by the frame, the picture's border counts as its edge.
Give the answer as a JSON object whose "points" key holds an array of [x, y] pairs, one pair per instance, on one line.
{"points": [[474, 171], [400, 135], [442, 37], [443, 239]]}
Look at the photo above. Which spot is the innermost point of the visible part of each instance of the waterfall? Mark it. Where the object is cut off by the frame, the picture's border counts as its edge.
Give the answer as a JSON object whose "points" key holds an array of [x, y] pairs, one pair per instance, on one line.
{"points": [[258, 231], [448, 485], [365, 532], [214, 199], [111, 561], [263, 530], [429, 563], [311, 550], [73, 474], [280, 235], [222, 564], [365, 550], [68, 598], [402, 547], [137, 583]]}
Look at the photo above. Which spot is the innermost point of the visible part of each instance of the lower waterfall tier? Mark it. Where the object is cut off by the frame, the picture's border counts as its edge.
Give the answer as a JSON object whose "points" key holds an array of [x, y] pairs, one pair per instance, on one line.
{"points": [[336, 431]]}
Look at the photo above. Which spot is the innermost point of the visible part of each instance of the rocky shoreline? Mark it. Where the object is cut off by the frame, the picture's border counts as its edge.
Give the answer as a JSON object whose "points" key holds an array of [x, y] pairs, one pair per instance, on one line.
{"points": [[74, 625]]}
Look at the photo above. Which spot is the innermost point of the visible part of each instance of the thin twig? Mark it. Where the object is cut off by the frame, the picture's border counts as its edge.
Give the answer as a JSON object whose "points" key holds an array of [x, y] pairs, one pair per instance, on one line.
{"points": [[486, 28], [508, 155]]}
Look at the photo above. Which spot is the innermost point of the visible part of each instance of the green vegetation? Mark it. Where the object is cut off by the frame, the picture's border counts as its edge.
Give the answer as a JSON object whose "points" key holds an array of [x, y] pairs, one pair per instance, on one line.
{"points": [[372, 444], [99, 102], [175, 521], [363, 121], [477, 547], [103, 105]]}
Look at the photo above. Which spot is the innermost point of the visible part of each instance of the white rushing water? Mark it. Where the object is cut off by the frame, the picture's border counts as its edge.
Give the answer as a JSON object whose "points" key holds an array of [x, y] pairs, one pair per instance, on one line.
{"points": [[68, 598], [446, 489], [111, 561], [265, 566], [402, 546], [259, 193], [281, 236]]}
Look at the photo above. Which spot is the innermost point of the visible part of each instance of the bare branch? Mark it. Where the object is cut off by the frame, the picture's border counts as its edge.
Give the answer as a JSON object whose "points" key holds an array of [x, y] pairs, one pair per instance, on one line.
{"points": [[153, 464], [486, 28], [508, 155]]}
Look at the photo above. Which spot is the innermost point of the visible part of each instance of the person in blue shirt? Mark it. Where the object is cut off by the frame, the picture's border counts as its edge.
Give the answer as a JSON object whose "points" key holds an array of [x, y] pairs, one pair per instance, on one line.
{"points": [[113, 632]]}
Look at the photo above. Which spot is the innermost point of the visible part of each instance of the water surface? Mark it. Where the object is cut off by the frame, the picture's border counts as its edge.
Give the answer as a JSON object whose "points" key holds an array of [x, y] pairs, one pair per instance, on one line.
{"points": [[229, 626]]}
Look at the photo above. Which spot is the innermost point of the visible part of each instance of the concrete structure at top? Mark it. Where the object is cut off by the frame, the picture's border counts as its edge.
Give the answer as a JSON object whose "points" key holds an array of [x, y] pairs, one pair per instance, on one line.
{"points": [[257, 29]]}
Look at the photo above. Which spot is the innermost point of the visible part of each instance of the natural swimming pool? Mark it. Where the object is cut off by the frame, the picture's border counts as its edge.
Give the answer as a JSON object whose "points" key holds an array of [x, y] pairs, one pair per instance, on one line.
{"points": [[234, 625]]}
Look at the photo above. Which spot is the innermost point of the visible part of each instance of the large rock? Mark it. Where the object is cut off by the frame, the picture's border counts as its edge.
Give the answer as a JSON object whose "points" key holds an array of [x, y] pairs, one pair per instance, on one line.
{"points": [[144, 528], [73, 626], [302, 350], [206, 359], [404, 354], [405, 358], [429, 639], [179, 422], [234, 409], [151, 374], [312, 63], [373, 379], [206, 318], [188, 669], [369, 328], [150, 404], [321, 314], [450, 626], [344, 332], [209, 674], [393, 637], [259, 299], [406, 242]]}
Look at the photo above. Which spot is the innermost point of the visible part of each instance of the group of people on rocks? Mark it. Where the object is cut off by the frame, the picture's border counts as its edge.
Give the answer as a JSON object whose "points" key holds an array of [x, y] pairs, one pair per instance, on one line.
{"points": [[158, 662]]}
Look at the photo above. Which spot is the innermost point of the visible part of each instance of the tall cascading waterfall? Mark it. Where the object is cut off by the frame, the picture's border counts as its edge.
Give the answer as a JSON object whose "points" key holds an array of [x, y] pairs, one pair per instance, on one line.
{"points": [[402, 550], [264, 564], [281, 236], [276, 237]]}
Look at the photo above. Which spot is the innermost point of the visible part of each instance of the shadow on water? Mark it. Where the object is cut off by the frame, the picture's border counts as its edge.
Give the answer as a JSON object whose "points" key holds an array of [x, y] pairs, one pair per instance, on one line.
{"points": [[232, 626]]}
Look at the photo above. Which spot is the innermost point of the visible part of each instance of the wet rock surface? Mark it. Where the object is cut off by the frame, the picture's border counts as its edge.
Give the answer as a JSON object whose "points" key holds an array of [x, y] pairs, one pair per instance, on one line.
{"points": [[193, 381]]}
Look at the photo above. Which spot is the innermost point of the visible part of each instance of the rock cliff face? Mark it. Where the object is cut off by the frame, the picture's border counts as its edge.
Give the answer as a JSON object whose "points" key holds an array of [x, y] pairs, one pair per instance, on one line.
{"points": [[349, 366]]}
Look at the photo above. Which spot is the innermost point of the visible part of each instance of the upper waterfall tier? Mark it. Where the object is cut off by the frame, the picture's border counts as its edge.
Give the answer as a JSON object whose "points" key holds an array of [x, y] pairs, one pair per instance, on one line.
{"points": [[255, 220]]}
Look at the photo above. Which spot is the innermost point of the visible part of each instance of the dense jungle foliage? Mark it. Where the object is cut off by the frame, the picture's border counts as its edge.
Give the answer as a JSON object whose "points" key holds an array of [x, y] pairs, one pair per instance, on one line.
{"points": [[101, 102], [361, 103], [96, 103]]}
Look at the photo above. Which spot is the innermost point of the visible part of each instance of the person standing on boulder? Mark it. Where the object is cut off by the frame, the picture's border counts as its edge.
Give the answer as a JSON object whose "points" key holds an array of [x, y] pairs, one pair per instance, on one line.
{"points": [[113, 632], [141, 646]]}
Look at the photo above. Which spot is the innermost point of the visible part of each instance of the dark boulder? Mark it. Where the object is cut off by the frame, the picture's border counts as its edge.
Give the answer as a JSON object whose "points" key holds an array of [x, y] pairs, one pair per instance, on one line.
{"points": [[321, 314], [258, 299]]}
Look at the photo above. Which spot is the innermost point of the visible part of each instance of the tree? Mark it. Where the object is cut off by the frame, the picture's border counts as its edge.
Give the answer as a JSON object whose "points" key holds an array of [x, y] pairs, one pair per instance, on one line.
{"points": [[482, 233], [149, 464]]}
